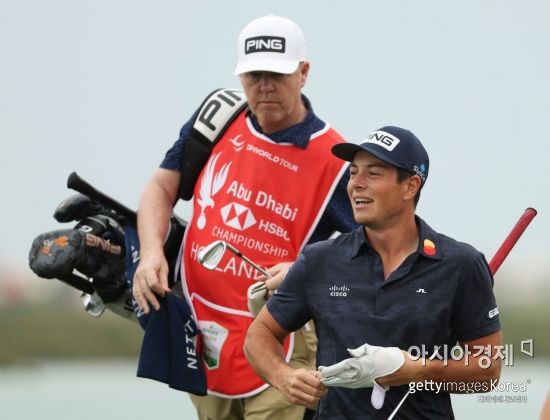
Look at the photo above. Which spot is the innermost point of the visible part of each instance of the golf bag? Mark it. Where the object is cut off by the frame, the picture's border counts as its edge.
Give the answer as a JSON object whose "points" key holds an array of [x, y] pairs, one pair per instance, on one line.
{"points": [[103, 247], [99, 255]]}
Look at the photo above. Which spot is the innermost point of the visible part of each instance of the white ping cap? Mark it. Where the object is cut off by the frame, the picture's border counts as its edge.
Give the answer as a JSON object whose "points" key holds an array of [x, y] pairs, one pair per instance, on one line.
{"points": [[270, 43]]}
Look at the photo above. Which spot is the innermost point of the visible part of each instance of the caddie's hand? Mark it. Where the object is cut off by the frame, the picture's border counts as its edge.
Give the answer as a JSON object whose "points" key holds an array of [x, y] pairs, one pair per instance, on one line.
{"points": [[150, 279], [303, 387], [278, 273]]}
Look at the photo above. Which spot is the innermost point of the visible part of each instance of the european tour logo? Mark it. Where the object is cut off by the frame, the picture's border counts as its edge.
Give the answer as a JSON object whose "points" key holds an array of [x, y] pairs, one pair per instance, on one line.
{"points": [[264, 44]]}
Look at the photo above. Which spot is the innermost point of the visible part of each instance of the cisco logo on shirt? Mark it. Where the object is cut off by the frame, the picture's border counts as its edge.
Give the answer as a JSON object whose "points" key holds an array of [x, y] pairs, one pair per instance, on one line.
{"points": [[264, 44], [339, 291]]}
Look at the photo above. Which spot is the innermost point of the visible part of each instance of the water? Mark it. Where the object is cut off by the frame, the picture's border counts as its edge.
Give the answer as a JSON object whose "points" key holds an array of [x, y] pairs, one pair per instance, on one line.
{"points": [[87, 391], [96, 390]]}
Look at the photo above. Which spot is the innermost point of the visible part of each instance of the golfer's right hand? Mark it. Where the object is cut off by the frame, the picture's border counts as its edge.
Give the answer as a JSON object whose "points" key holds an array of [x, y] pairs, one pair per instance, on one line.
{"points": [[303, 387], [150, 280]]}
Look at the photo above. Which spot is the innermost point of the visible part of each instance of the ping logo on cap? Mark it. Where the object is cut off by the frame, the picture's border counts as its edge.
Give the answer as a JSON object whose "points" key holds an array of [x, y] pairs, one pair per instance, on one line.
{"points": [[264, 44], [381, 138]]}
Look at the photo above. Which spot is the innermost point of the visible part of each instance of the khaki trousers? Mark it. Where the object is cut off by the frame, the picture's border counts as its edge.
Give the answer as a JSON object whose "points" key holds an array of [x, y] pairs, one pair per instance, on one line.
{"points": [[268, 404]]}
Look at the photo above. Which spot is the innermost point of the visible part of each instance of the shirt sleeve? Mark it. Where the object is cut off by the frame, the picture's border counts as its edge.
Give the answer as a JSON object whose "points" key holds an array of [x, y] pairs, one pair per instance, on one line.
{"points": [[475, 313], [174, 155], [289, 305]]}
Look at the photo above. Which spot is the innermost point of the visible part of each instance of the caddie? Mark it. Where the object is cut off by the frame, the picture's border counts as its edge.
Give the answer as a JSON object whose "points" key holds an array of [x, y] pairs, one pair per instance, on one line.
{"points": [[269, 185]]}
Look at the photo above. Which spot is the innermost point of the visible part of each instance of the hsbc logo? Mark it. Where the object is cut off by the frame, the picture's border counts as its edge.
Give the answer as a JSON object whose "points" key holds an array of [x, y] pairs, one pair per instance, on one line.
{"points": [[264, 44], [381, 138], [237, 216]]}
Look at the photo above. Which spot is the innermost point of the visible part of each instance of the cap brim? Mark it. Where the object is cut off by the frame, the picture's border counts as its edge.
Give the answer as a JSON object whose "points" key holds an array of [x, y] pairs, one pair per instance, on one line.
{"points": [[347, 151], [275, 66]]}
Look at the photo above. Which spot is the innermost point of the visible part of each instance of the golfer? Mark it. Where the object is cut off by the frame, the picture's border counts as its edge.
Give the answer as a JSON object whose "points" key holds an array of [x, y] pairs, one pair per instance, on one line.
{"points": [[392, 285]]}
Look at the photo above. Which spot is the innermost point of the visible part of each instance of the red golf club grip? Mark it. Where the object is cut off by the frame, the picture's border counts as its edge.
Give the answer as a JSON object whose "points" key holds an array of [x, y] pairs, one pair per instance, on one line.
{"points": [[512, 238]]}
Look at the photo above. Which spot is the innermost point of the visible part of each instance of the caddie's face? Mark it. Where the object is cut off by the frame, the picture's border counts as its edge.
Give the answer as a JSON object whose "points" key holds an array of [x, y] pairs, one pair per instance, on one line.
{"points": [[377, 198], [275, 98]]}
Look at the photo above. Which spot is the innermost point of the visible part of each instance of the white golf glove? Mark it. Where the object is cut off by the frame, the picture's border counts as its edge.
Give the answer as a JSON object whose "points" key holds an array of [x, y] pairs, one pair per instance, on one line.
{"points": [[360, 371], [256, 297]]}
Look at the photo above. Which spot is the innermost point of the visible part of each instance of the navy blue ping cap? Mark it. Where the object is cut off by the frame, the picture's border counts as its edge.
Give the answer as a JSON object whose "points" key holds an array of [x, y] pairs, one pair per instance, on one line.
{"points": [[393, 145]]}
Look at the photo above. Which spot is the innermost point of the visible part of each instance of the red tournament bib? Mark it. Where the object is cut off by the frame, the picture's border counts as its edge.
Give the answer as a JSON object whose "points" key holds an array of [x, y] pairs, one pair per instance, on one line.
{"points": [[265, 199]]}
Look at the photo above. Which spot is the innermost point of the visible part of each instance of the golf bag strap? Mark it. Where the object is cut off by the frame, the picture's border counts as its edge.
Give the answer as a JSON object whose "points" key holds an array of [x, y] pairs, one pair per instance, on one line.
{"points": [[216, 113]]}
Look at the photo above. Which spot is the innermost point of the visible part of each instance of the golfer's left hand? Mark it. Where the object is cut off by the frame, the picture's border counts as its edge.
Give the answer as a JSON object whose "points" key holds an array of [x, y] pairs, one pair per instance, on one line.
{"points": [[366, 364]]}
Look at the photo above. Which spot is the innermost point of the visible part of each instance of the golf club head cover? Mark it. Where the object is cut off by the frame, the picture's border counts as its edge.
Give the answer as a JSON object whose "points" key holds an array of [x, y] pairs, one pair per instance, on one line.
{"points": [[76, 207], [360, 371], [54, 254], [256, 297]]}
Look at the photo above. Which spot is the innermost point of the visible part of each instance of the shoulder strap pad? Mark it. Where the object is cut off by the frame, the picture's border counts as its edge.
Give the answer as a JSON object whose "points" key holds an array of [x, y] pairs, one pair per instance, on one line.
{"points": [[217, 111]]}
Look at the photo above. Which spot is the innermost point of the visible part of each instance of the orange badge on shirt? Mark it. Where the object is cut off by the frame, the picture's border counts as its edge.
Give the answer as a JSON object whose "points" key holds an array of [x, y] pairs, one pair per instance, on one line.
{"points": [[429, 247]]}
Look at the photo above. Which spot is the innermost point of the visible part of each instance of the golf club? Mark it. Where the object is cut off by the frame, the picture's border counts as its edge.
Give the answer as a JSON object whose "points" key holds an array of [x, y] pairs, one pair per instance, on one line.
{"points": [[499, 257], [76, 183], [211, 255]]}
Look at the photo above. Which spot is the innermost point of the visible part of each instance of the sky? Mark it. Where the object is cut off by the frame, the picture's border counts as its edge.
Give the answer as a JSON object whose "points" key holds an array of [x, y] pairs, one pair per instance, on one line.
{"points": [[102, 88]]}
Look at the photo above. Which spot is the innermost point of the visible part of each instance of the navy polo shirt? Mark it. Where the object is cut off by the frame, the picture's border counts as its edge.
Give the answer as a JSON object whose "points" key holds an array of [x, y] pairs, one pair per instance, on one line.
{"points": [[337, 217], [440, 294]]}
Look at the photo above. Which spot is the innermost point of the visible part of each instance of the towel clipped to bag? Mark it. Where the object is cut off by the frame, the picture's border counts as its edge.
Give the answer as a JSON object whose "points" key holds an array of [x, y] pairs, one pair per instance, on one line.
{"points": [[168, 351]]}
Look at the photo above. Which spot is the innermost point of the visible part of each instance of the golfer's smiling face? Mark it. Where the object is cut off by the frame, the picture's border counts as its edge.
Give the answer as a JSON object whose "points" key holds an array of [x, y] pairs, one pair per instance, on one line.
{"points": [[377, 197]]}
